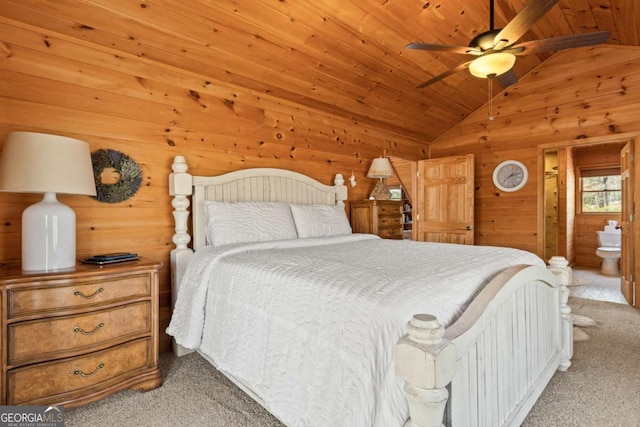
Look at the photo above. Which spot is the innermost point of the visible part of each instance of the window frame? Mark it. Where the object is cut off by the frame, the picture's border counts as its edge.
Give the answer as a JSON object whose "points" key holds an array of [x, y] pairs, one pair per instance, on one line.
{"points": [[593, 172]]}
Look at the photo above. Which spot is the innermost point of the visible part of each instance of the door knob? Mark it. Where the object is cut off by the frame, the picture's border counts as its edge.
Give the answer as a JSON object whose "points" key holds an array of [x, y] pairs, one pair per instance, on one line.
{"points": [[618, 227], [468, 228]]}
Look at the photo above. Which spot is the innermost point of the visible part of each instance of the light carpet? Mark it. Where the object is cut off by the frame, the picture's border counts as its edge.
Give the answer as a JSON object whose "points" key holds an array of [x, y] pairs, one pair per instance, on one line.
{"points": [[600, 389]]}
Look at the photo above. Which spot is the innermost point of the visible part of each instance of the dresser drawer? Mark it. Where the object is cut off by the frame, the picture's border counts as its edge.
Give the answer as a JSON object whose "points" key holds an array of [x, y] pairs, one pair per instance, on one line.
{"points": [[390, 233], [61, 380], [50, 298], [70, 335], [390, 209], [389, 221]]}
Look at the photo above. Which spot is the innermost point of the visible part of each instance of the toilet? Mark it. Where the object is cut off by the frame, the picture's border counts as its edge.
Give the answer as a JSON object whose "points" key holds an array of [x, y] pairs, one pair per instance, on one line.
{"points": [[609, 249]]}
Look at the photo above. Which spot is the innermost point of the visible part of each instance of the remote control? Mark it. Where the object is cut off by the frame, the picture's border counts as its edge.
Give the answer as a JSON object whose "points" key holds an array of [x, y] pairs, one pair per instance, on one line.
{"points": [[114, 256]]}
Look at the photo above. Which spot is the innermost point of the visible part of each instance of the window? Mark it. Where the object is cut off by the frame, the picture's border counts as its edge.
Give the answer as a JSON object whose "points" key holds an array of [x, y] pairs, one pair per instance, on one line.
{"points": [[601, 190]]}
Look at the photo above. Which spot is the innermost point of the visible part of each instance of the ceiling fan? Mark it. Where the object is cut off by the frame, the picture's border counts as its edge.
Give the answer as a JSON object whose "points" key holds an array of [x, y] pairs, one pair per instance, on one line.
{"points": [[495, 50]]}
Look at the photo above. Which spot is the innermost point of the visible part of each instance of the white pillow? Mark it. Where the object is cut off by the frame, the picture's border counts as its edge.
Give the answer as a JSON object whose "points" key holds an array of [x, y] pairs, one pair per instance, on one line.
{"points": [[246, 222], [320, 220]]}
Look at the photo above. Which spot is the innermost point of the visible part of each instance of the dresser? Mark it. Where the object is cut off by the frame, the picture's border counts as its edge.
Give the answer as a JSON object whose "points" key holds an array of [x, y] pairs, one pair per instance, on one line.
{"points": [[381, 217], [72, 337]]}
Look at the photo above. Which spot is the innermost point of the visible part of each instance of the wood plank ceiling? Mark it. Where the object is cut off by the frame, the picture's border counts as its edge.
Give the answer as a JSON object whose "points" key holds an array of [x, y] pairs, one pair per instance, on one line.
{"points": [[344, 57]]}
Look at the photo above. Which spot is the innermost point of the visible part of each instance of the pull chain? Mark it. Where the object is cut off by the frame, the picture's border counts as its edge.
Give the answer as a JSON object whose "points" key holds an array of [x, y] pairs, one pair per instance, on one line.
{"points": [[490, 78]]}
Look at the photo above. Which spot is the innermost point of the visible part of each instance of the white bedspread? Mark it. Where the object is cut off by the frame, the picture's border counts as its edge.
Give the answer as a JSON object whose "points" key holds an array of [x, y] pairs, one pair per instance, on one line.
{"points": [[310, 324]]}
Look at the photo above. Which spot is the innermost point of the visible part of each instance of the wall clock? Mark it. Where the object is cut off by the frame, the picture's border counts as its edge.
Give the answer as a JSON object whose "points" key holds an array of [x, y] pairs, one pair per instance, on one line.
{"points": [[510, 175]]}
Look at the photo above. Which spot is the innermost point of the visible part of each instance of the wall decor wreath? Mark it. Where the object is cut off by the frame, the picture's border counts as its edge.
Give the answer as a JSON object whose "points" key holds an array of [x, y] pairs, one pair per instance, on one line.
{"points": [[130, 175]]}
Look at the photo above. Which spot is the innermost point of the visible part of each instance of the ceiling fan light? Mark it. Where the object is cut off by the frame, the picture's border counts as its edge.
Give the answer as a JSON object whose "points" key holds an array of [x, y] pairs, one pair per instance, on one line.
{"points": [[492, 64]]}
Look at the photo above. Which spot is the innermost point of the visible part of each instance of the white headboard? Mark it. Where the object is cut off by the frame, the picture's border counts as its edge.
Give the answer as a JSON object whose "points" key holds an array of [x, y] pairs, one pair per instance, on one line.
{"points": [[260, 184]]}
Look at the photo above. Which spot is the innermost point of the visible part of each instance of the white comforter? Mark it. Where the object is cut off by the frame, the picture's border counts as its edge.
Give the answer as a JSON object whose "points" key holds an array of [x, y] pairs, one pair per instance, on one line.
{"points": [[310, 324]]}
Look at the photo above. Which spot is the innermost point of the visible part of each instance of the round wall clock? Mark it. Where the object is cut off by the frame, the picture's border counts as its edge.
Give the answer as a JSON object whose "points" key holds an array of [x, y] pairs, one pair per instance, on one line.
{"points": [[510, 175]]}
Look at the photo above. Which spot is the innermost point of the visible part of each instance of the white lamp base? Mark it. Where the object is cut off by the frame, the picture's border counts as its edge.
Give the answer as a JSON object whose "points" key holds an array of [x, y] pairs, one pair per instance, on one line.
{"points": [[48, 236]]}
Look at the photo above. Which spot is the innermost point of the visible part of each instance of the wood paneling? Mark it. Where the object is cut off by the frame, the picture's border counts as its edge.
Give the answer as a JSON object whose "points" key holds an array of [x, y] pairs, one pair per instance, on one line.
{"points": [[345, 57], [566, 101]]}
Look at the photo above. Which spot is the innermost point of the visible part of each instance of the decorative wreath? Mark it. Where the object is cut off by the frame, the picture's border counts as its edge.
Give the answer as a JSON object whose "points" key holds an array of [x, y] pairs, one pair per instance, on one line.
{"points": [[130, 176]]}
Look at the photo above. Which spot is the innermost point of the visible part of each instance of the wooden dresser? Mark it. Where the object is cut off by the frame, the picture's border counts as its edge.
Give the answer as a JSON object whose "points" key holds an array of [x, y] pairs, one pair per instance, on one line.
{"points": [[72, 337], [381, 217]]}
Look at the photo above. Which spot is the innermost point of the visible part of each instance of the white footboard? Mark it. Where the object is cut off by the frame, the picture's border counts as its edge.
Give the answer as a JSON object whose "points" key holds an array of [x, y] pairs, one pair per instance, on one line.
{"points": [[490, 367]]}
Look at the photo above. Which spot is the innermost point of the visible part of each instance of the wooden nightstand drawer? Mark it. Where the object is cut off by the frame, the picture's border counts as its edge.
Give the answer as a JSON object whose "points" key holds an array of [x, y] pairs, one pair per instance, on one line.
{"points": [[394, 208], [56, 382], [71, 335], [50, 297], [389, 221]]}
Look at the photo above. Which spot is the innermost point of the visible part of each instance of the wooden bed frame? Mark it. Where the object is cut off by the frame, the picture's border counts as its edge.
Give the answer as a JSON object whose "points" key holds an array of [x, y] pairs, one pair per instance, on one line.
{"points": [[488, 368]]}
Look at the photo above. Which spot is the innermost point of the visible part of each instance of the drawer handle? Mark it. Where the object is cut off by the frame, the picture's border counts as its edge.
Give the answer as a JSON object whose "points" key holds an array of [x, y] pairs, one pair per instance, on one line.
{"points": [[79, 372], [80, 294], [83, 332]]}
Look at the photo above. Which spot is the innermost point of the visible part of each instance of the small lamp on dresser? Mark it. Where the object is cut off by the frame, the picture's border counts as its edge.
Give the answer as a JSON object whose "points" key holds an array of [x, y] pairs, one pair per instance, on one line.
{"points": [[50, 164], [380, 168]]}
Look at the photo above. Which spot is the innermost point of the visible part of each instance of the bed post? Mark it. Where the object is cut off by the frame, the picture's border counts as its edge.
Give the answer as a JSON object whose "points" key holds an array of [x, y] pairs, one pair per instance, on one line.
{"points": [[427, 363], [180, 187], [560, 267], [341, 189]]}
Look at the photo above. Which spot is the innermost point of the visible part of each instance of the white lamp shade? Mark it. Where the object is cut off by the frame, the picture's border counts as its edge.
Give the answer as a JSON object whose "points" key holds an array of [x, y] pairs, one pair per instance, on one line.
{"points": [[41, 163], [492, 64], [38, 163], [380, 168]]}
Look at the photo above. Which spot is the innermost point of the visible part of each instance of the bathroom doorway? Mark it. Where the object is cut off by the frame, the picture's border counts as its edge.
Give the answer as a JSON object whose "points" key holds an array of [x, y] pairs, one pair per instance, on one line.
{"points": [[569, 227], [566, 229]]}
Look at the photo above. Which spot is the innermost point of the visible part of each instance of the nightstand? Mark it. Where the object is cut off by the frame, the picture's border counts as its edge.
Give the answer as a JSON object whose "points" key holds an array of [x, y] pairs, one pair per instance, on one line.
{"points": [[381, 217], [72, 337]]}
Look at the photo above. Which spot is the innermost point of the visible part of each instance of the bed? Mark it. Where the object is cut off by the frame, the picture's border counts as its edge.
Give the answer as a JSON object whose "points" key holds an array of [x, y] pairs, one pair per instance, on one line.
{"points": [[314, 325]]}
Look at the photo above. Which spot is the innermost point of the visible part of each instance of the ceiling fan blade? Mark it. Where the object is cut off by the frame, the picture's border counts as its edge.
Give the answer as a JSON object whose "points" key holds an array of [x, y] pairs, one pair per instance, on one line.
{"points": [[465, 50], [562, 42], [437, 78], [507, 79], [522, 22]]}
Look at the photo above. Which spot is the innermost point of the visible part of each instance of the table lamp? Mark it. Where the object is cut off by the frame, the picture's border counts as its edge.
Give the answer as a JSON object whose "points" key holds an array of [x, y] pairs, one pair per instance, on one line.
{"points": [[380, 168], [50, 164]]}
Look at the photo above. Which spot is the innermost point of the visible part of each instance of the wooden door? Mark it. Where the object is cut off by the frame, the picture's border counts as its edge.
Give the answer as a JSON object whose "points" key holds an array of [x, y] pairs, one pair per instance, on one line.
{"points": [[444, 204], [627, 264]]}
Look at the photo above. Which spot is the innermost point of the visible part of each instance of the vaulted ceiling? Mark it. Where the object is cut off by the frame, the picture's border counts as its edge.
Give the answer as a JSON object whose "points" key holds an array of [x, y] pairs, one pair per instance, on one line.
{"points": [[345, 57]]}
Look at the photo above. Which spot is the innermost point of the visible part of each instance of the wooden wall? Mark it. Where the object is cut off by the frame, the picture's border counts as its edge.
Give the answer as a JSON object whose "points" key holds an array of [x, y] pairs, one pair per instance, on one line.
{"points": [[54, 83], [578, 96]]}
